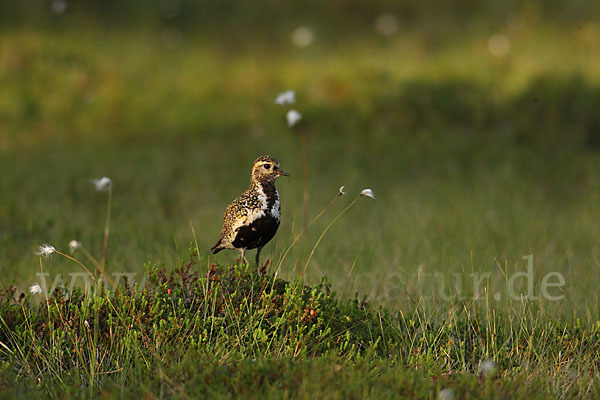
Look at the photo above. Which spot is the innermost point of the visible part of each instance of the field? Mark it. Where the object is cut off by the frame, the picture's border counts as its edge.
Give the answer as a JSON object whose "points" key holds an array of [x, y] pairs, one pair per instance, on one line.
{"points": [[472, 274]]}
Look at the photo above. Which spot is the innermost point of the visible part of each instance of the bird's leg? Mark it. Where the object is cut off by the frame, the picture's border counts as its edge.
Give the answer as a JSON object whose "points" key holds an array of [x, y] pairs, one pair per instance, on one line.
{"points": [[258, 249], [243, 256]]}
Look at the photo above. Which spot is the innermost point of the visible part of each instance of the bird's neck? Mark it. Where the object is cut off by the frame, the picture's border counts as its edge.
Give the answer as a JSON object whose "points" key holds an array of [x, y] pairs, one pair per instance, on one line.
{"points": [[265, 187]]}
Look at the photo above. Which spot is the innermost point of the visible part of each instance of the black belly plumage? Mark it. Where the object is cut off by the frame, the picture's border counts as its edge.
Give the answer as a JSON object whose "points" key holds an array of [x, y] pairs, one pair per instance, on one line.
{"points": [[257, 234]]}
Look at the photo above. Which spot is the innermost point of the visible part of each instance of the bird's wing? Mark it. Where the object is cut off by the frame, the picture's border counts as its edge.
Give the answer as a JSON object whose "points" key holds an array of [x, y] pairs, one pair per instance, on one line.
{"points": [[235, 214]]}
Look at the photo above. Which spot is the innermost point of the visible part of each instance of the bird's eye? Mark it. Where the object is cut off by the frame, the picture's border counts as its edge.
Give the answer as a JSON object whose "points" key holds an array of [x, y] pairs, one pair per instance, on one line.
{"points": [[267, 166]]}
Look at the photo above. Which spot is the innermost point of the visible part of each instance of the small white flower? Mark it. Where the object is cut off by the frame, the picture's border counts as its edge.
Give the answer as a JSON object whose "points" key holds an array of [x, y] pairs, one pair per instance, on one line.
{"points": [[287, 97], [486, 368], [102, 184], [367, 193], [341, 191], [74, 245], [293, 117], [86, 323], [45, 250], [446, 394], [35, 289]]}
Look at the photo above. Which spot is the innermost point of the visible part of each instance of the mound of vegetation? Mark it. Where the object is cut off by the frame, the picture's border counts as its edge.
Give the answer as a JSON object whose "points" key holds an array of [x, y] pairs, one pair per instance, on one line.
{"points": [[234, 315], [229, 312]]}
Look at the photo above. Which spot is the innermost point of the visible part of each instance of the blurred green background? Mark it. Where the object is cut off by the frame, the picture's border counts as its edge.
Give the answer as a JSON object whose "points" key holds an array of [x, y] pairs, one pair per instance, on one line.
{"points": [[477, 125]]}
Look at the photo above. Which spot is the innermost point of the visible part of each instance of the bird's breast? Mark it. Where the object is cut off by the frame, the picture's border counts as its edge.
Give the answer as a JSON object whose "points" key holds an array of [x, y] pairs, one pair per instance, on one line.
{"points": [[276, 208], [269, 198]]}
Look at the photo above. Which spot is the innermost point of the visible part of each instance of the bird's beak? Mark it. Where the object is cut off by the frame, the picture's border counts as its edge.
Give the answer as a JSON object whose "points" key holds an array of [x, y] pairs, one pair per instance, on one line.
{"points": [[282, 172]]}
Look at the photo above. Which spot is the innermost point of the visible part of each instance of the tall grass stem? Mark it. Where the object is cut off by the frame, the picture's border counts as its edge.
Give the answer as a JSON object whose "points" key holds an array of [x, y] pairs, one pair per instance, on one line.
{"points": [[107, 228], [325, 231], [285, 253], [305, 192]]}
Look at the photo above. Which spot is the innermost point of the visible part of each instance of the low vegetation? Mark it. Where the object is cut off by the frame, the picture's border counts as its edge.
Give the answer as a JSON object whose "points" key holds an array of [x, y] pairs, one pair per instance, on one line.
{"points": [[241, 331]]}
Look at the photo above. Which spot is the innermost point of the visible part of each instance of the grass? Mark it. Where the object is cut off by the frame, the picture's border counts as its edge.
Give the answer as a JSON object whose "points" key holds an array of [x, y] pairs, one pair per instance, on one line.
{"points": [[476, 161]]}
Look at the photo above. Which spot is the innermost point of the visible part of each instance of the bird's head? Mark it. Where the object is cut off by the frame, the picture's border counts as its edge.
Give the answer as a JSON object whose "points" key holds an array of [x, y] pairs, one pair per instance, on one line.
{"points": [[266, 168]]}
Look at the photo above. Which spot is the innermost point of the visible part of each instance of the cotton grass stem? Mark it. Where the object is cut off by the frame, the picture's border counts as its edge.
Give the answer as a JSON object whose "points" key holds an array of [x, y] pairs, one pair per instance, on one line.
{"points": [[305, 194], [98, 266], [325, 231], [78, 262], [107, 228], [305, 229]]}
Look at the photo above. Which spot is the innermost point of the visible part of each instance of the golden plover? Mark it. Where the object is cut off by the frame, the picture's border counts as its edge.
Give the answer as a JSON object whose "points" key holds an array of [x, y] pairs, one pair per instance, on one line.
{"points": [[252, 219]]}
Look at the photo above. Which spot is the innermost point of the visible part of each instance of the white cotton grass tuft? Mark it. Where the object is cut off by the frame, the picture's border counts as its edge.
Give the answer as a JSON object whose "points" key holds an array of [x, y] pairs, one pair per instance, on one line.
{"points": [[45, 250], [74, 245], [446, 394], [35, 289], [498, 45], [102, 184], [386, 24], [58, 7], [341, 191], [487, 368], [285, 98], [293, 117], [367, 193], [302, 36]]}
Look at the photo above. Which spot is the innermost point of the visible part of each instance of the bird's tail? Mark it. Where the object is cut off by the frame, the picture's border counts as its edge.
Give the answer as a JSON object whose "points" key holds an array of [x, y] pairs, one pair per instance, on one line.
{"points": [[217, 247]]}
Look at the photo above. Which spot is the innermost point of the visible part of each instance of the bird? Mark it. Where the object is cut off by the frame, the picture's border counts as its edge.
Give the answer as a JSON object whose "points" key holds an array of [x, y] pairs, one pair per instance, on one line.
{"points": [[252, 219]]}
